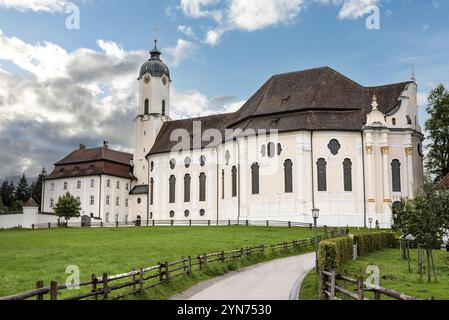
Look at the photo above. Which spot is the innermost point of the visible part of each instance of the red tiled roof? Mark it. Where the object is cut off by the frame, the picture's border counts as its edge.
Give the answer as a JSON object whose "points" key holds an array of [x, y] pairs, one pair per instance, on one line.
{"points": [[97, 154]]}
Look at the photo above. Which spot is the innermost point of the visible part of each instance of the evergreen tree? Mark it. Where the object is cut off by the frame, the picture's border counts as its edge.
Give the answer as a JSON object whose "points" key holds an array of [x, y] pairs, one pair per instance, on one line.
{"points": [[7, 193], [23, 192], [37, 187], [437, 127]]}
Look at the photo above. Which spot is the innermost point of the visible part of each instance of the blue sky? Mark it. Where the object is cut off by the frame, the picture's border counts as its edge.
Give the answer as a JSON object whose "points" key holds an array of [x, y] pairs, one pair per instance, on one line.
{"points": [[219, 53]]}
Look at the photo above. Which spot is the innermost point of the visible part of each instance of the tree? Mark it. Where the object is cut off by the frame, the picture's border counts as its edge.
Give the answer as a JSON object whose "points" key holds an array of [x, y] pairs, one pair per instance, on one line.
{"points": [[37, 187], [437, 127], [23, 192], [426, 219], [7, 193], [67, 207]]}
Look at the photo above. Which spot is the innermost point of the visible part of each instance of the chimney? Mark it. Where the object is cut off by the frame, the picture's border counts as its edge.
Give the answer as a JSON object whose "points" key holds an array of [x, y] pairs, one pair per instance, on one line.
{"points": [[82, 146], [105, 144]]}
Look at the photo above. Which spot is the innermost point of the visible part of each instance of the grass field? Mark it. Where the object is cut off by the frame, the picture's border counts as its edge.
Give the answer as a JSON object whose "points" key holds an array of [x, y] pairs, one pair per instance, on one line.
{"points": [[394, 275], [29, 256]]}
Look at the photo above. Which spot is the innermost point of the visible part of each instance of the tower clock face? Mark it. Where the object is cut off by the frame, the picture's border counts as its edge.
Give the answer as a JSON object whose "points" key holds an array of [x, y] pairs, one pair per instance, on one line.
{"points": [[146, 79]]}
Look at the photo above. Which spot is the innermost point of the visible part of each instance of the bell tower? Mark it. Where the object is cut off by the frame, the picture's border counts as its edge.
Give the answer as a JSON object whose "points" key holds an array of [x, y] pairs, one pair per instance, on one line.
{"points": [[154, 109]]}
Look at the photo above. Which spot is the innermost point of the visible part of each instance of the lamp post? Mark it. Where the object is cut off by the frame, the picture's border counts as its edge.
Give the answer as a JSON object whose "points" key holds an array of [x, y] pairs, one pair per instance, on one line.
{"points": [[370, 220], [315, 215]]}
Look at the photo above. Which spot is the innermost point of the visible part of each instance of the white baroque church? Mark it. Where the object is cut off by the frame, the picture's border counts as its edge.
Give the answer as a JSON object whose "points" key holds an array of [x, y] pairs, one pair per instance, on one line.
{"points": [[304, 140]]}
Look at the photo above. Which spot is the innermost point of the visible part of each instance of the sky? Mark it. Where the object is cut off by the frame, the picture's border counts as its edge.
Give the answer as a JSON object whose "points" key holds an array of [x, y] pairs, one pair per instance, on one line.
{"points": [[68, 69]]}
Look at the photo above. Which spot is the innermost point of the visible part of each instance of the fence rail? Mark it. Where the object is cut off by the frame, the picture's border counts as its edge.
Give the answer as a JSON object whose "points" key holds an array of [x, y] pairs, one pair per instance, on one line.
{"points": [[332, 289], [138, 280], [174, 223]]}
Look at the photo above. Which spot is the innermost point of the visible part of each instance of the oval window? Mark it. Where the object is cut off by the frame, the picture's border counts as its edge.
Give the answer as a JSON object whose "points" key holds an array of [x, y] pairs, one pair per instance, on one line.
{"points": [[172, 164], [172, 214], [187, 162], [139, 200], [187, 213], [202, 213]]}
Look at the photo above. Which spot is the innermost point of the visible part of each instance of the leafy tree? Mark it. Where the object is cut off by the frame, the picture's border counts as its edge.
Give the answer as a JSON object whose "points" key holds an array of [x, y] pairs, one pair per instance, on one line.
{"points": [[37, 187], [7, 193], [23, 192], [437, 161], [16, 206], [68, 207], [425, 218]]}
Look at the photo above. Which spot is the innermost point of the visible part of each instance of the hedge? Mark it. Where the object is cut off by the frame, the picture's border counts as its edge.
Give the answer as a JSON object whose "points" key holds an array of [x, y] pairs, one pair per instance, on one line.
{"points": [[333, 253], [371, 242]]}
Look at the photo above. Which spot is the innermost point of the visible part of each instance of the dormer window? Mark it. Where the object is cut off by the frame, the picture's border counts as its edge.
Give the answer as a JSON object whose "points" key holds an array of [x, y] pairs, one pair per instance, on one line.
{"points": [[91, 167], [77, 169]]}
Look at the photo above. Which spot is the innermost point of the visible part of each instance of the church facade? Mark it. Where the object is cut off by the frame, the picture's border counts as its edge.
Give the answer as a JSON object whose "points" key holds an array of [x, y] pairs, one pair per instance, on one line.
{"points": [[304, 140]]}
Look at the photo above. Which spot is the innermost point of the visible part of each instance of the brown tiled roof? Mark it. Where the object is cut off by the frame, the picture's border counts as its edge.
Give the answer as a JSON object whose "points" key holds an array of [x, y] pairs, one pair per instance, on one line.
{"points": [[445, 182], [93, 162], [315, 99], [31, 204], [97, 154]]}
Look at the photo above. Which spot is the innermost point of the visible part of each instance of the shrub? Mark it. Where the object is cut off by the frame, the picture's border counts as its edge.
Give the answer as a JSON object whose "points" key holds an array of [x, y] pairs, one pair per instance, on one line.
{"points": [[371, 242], [333, 253]]}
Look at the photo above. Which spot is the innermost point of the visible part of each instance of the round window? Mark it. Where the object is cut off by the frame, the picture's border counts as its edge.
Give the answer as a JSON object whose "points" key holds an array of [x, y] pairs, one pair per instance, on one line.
{"points": [[172, 164], [187, 162], [139, 200], [172, 214], [202, 213], [187, 213]]}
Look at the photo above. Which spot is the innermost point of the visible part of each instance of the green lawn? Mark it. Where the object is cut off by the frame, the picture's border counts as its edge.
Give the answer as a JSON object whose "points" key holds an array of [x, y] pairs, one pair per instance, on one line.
{"points": [[394, 275], [29, 256]]}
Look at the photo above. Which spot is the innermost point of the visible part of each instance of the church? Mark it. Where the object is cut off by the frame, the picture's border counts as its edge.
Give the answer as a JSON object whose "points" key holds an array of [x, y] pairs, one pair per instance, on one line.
{"points": [[311, 139]]}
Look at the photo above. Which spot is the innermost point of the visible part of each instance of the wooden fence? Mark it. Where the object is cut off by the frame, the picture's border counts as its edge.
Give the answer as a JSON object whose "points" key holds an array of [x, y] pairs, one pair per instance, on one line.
{"points": [[138, 280], [175, 223], [334, 286]]}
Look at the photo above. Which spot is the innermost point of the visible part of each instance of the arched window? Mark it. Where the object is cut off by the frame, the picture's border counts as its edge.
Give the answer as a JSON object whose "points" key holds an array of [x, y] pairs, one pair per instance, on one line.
{"points": [[172, 192], [163, 107], [151, 191], [347, 174], [255, 178], [234, 181], [321, 171], [147, 106], [187, 162], [187, 182], [202, 186], [396, 175], [288, 176]]}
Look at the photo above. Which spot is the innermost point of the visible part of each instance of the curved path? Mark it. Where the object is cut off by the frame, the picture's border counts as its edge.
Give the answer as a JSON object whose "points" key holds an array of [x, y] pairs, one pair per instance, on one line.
{"points": [[274, 280]]}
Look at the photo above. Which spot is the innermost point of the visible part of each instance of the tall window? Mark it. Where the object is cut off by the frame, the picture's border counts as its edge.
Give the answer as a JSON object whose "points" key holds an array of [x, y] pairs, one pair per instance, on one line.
{"points": [[92, 200], [117, 201], [92, 183], [52, 203], [163, 107], [321, 170], [347, 174], [151, 191], [108, 200], [147, 106], [52, 187], [126, 203], [234, 181], [288, 176], [108, 183], [65, 185], [78, 184], [222, 184], [202, 186], [255, 178], [187, 182], [396, 175], [172, 193]]}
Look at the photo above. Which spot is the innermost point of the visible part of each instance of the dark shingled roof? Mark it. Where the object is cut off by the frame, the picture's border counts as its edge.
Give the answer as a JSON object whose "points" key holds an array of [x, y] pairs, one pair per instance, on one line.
{"points": [[31, 204], [315, 99], [143, 189], [445, 182], [97, 154]]}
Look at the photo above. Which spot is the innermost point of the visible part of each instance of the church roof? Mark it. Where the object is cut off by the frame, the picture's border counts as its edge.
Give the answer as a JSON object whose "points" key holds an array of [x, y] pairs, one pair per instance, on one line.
{"points": [[314, 99], [96, 154], [154, 66]]}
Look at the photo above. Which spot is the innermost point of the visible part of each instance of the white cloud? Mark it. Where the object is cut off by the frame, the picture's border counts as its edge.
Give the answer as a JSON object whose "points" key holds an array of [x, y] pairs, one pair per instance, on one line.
{"points": [[198, 9], [35, 5], [351, 9], [188, 31], [183, 50]]}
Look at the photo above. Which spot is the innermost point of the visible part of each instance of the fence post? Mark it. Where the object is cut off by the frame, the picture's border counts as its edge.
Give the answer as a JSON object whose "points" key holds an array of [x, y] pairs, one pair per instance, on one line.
{"points": [[53, 290], [190, 223], [94, 285], [208, 223], [116, 224], [268, 223], [332, 283], [134, 279], [229, 223], [189, 266], [153, 223], [172, 223], [247, 223], [222, 256], [289, 224], [200, 262], [32, 226], [105, 286], [361, 289], [377, 295], [141, 280], [49, 225], [321, 285], [39, 285]]}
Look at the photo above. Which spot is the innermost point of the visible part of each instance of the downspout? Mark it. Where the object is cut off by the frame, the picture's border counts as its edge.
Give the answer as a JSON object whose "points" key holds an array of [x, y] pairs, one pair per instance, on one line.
{"points": [[99, 198], [218, 185], [238, 182], [42, 197], [364, 181], [149, 191]]}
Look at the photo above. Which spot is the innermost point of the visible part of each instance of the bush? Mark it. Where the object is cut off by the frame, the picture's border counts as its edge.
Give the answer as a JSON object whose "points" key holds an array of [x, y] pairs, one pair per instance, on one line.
{"points": [[371, 242], [333, 253]]}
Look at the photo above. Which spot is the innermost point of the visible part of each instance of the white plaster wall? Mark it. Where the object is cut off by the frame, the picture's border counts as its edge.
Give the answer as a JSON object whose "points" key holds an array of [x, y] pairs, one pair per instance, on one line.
{"points": [[10, 221]]}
